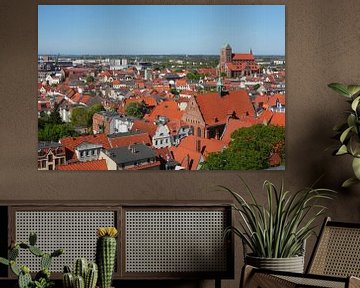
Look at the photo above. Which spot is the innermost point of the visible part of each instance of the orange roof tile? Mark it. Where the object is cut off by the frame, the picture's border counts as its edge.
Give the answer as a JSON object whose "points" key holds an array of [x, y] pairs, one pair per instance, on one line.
{"points": [[85, 99], [89, 165], [242, 56], [149, 101], [274, 98], [76, 97], [206, 145], [233, 125], [120, 140], [187, 158], [116, 82], [216, 109], [145, 126], [266, 116], [168, 109], [180, 82], [278, 119]]}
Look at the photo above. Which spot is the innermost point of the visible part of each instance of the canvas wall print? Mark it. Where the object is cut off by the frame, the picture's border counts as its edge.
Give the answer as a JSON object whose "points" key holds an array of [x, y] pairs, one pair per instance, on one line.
{"points": [[161, 87]]}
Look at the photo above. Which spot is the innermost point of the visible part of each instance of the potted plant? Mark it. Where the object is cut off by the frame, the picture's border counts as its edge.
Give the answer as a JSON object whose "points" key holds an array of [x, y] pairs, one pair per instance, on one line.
{"points": [[276, 233], [349, 132]]}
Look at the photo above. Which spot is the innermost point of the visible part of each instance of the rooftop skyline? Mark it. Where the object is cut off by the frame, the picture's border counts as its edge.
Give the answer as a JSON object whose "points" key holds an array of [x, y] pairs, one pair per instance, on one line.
{"points": [[160, 29]]}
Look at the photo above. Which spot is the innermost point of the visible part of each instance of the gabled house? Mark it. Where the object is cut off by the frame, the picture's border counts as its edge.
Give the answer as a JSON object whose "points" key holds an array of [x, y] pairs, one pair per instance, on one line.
{"points": [[208, 113], [50, 155]]}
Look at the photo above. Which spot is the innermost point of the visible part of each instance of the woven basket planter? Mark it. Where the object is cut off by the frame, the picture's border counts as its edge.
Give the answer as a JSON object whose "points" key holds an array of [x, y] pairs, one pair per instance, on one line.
{"points": [[291, 264]]}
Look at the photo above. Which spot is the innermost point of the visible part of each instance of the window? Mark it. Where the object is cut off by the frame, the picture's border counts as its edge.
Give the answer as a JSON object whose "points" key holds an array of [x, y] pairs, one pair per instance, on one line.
{"points": [[50, 157], [199, 131]]}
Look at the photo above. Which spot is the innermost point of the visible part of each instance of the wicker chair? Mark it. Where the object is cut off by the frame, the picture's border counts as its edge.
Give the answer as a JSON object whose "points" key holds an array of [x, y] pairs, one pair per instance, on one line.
{"points": [[334, 263]]}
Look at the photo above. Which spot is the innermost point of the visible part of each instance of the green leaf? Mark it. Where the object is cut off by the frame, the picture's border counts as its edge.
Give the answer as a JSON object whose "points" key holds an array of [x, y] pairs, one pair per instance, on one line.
{"points": [[354, 145], [355, 103], [356, 167], [340, 88], [353, 89], [349, 182], [345, 134], [4, 261], [351, 120], [342, 150]]}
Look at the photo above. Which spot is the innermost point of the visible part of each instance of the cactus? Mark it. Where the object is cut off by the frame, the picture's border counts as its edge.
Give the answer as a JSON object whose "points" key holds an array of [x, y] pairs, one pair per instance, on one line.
{"points": [[105, 254], [68, 280], [13, 253], [91, 276], [36, 251], [45, 261], [80, 267], [79, 282], [24, 278], [32, 239], [89, 272]]}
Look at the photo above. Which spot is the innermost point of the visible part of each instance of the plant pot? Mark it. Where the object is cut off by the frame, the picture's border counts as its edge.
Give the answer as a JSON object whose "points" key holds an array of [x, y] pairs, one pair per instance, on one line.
{"points": [[291, 264]]}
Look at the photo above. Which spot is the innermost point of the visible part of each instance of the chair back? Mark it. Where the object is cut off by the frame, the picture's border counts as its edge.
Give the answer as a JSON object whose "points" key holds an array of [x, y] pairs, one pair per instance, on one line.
{"points": [[337, 251]]}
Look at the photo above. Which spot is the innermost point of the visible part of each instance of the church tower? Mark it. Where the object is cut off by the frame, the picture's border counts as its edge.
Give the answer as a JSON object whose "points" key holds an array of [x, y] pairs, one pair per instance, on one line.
{"points": [[225, 56]]}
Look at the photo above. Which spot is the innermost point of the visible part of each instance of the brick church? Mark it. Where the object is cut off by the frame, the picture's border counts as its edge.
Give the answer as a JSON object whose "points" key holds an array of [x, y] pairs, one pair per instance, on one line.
{"points": [[237, 64]]}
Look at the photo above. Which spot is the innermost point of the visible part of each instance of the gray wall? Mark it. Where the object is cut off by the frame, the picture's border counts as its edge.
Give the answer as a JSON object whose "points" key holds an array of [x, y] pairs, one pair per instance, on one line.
{"points": [[322, 46]]}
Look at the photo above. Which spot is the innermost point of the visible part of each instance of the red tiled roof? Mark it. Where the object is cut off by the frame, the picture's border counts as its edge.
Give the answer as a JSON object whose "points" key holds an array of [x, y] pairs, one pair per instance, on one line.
{"points": [[189, 159], [89, 165], [206, 145], [144, 125], [278, 119], [149, 101], [119, 141], [85, 99], [236, 67], [76, 97], [70, 143], [261, 99], [266, 116], [180, 82], [242, 56], [216, 109], [168, 109], [232, 125], [116, 82], [273, 98]]}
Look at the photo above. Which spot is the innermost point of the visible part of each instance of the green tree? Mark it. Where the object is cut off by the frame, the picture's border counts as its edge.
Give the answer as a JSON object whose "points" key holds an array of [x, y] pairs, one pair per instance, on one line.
{"points": [[222, 74], [79, 117], [90, 79], [250, 148], [135, 109], [54, 132]]}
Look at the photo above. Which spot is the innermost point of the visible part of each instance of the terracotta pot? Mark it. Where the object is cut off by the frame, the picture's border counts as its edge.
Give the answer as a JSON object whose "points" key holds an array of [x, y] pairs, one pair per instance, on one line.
{"points": [[291, 264]]}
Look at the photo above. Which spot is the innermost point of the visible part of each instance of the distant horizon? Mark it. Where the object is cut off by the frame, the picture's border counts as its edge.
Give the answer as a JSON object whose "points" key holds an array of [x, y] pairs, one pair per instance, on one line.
{"points": [[161, 30], [217, 55]]}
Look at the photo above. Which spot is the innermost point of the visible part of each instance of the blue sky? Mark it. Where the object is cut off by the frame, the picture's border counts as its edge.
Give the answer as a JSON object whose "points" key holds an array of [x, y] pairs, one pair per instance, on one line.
{"points": [[160, 29]]}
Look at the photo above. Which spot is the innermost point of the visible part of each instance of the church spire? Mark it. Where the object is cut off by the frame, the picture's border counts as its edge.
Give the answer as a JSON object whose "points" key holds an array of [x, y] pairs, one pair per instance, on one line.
{"points": [[251, 51]]}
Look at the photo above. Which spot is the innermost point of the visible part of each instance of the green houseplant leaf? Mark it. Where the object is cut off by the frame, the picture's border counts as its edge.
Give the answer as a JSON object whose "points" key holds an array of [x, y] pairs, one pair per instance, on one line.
{"points": [[349, 133], [340, 88], [279, 228]]}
